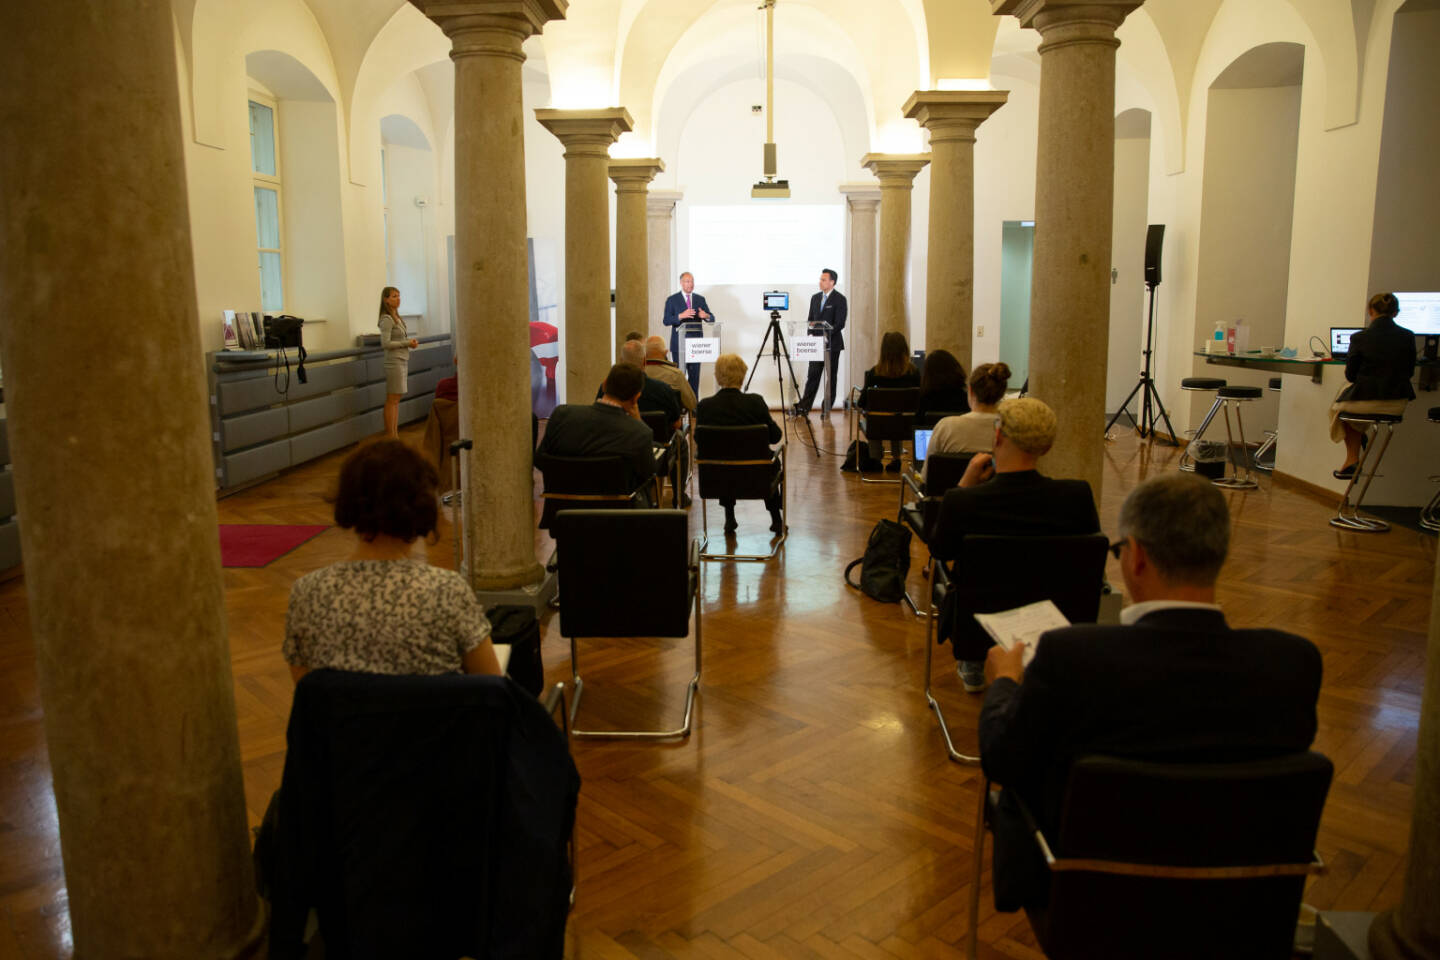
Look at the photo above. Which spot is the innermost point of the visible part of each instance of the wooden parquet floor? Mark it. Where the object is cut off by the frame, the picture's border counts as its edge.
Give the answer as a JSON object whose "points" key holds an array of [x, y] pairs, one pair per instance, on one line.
{"points": [[813, 812]]}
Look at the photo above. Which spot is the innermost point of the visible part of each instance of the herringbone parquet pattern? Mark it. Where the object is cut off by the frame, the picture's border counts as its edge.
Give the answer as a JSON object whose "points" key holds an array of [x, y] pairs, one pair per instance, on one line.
{"points": [[813, 813]]}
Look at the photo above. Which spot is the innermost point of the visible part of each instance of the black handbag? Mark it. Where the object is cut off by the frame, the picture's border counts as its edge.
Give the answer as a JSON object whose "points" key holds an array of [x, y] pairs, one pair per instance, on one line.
{"points": [[886, 563], [285, 333]]}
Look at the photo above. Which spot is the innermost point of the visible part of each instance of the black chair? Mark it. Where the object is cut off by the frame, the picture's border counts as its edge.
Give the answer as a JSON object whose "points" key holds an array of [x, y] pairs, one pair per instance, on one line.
{"points": [[888, 414], [650, 594], [1180, 860], [673, 461], [1347, 515], [944, 471], [596, 483], [408, 809], [930, 418], [1002, 573], [737, 463]]}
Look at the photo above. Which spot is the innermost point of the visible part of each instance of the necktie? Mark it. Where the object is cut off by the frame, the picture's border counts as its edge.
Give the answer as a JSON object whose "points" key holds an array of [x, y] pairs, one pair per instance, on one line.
{"points": [[687, 301]]}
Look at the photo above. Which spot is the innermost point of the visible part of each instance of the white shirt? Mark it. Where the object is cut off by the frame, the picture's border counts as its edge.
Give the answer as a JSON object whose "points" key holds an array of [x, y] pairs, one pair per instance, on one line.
{"points": [[1135, 611]]}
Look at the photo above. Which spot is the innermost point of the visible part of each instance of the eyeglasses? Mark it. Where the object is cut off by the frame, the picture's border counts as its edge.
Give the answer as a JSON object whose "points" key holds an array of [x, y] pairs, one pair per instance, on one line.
{"points": [[1116, 547]]}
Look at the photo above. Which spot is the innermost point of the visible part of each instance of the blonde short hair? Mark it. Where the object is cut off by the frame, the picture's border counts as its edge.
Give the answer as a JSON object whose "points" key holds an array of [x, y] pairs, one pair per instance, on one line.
{"points": [[1028, 423], [730, 370]]}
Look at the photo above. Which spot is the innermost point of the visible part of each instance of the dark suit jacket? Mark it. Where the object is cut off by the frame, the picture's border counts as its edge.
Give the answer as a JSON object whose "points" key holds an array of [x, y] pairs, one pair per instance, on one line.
{"points": [[655, 395], [836, 311], [1381, 362], [600, 430], [1018, 504], [1180, 685], [674, 306], [731, 408]]}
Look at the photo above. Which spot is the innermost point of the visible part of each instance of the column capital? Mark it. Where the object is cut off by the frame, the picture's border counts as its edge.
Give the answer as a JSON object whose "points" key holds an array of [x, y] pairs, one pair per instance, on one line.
{"points": [[491, 27], [661, 203], [633, 174], [953, 114], [861, 196], [586, 133], [895, 169], [1080, 21]]}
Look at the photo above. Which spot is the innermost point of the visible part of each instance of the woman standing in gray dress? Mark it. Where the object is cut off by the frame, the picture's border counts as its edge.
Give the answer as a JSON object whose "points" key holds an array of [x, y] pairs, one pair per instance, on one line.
{"points": [[397, 343]]}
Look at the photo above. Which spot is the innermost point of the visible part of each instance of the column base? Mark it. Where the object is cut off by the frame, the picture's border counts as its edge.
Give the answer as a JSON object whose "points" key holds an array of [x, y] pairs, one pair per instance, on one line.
{"points": [[1386, 942], [535, 591]]}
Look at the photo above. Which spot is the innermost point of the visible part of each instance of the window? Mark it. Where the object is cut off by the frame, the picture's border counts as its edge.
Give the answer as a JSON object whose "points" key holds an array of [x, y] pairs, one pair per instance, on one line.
{"points": [[265, 169]]}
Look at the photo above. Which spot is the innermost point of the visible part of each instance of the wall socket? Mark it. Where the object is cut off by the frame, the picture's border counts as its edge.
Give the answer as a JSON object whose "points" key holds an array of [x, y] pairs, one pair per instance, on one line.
{"points": [[980, 330]]}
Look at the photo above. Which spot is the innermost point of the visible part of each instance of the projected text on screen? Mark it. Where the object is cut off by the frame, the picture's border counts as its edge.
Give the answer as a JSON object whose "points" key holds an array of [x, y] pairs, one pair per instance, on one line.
{"points": [[758, 244]]}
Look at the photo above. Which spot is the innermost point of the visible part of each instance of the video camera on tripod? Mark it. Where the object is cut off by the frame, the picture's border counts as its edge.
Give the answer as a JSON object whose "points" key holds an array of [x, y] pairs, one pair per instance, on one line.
{"points": [[775, 301]]}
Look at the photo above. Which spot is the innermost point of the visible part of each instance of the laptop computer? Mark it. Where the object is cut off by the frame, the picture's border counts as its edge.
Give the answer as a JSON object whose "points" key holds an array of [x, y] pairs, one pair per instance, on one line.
{"points": [[922, 442], [1340, 341]]}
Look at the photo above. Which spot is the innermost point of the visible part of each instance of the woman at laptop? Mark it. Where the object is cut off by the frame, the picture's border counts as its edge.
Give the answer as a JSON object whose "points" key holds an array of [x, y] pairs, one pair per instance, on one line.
{"points": [[973, 432], [1379, 368]]}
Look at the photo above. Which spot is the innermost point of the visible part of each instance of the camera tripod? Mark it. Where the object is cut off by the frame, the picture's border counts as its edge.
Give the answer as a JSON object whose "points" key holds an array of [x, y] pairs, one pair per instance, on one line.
{"points": [[776, 338], [1145, 426]]}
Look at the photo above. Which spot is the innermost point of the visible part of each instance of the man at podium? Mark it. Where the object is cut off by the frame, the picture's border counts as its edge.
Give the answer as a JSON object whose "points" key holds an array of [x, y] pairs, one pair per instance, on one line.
{"points": [[688, 309]]}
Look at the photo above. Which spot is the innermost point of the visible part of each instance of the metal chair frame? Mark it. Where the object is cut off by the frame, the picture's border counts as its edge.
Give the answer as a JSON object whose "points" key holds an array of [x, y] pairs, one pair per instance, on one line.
{"points": [[696, 592], [1235, 481], [1271, 438], [932, 615], [1430, 515], [1187, 462], [1347, 515]]}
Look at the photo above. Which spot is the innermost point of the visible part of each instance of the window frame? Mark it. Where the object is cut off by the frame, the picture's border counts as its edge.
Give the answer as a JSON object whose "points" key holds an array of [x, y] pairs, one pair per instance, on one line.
{"points": [[269, 182]]}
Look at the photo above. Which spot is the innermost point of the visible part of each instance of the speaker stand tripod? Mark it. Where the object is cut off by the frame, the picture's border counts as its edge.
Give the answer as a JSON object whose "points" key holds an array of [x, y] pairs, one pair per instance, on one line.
{"points": [[1145, 426], [778, 350]]}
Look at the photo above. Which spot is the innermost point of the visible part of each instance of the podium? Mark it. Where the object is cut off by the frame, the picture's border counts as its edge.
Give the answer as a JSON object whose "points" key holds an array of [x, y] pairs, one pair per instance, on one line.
{"points": [[701, 341], [810, 343]]}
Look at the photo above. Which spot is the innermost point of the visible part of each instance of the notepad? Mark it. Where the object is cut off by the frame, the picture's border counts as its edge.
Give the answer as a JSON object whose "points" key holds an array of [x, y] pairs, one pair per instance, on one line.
{"points": [[1023, 625]]}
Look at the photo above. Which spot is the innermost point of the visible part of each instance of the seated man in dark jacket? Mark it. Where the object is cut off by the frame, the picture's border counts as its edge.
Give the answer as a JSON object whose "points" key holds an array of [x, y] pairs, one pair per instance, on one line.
{"points": [[1174, 683], [1003, 494], [609, 427]]}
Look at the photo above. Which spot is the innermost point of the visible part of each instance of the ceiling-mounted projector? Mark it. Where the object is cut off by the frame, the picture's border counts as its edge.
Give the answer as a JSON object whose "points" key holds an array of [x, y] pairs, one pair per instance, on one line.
{"points": [[770, 188]]}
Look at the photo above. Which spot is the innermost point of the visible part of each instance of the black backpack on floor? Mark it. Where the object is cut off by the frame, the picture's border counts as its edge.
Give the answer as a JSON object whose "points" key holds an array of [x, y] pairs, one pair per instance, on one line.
{"points": [[886, 563], [516, 626]]}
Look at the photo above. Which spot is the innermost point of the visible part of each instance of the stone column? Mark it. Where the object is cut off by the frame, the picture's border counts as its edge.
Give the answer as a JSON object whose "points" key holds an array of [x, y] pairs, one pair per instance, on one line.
{"points": [[587, 136], [660, 211], [1074, 187], [632, 245], [952, 116], [896, 173], [1411, 931], [862, 341], [114, 479], [492, 291]]}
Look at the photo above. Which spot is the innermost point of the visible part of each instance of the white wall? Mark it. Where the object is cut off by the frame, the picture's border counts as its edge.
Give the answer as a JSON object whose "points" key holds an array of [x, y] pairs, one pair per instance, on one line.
{"points": [[314, 238], [410, 176]]}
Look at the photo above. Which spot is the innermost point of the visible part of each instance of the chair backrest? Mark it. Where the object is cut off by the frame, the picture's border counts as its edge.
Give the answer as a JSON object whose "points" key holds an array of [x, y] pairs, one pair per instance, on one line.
{"points": [[660, 425], [624, 574], [890, 412], [408, 807], [735, 462], [943, 472], [1262, 813], [1001, 573], [933, 417], [575, 481]]}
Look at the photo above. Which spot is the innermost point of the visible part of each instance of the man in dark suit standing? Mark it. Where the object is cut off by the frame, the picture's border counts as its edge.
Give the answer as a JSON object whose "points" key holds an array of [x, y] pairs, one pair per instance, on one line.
{"points": [[827, 306], [1003, 494], [683, 308], [1173, 683], [731, 408]]}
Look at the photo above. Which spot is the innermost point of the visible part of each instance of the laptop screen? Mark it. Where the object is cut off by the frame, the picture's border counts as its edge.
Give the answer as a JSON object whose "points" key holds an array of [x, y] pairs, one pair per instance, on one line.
{"points": [[1340, 340], [922, 441]]}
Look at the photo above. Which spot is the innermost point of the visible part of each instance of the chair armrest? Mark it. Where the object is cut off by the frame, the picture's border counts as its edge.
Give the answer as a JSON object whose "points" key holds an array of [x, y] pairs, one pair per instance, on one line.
{"points": [[910, 480]]}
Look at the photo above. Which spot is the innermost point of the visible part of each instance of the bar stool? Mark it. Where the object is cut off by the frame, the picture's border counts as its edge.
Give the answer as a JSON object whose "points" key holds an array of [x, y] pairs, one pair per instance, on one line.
{"points": [[1347, 516], [1430, 516], [1187, 462], [1270, 437], [1233, 397]]}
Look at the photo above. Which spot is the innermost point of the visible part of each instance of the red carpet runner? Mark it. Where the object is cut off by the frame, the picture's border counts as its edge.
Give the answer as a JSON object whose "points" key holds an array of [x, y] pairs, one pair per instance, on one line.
{"points": [[256, 545]]}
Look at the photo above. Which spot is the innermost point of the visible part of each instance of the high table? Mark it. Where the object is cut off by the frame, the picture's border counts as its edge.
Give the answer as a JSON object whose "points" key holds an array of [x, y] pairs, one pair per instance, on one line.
{"points": [[1311, 366]]}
